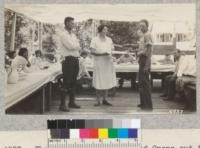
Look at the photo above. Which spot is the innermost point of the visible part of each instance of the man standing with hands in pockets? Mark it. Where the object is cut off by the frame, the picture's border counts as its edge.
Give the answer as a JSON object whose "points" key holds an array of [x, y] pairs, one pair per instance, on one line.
{"points": [[144, 49], [70, 47], [144, 54]]}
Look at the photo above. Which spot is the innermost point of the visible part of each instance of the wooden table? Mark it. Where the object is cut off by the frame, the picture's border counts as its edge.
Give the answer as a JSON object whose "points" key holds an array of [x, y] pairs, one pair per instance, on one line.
{"points": [[126, 68], [27, 85]]}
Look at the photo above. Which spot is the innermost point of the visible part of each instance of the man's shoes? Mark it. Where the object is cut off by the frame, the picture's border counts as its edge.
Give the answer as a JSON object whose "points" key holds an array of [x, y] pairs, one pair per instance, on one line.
{"points": [[64, 109], [147, 108], [106, 103], [144, 108], [97, 104], [74, 106], [139, 105], [163, 95]]}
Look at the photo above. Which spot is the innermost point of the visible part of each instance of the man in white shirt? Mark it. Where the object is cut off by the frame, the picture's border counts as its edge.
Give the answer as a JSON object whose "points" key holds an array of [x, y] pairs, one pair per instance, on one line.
{"points": [[69, 46]]}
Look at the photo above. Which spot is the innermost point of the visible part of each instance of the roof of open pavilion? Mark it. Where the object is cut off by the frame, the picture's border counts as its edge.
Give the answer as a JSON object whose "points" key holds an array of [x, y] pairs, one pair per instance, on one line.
{"points": [[55, 13]]}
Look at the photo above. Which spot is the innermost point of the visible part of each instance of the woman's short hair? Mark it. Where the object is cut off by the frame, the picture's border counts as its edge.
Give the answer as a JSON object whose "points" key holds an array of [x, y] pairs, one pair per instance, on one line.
{"points": [[68, 19], [101, 27], [84, 53], [22, 51], [145, 21]]}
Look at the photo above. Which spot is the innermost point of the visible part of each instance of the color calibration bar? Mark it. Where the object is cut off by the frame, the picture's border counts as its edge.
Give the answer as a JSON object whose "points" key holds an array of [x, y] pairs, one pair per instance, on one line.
{"points": [[94, 133], [99, 123]]}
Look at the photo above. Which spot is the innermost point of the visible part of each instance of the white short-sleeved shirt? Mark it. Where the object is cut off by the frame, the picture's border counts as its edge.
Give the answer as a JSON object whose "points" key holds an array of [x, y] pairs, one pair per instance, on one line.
{"points": [[102, 46]]}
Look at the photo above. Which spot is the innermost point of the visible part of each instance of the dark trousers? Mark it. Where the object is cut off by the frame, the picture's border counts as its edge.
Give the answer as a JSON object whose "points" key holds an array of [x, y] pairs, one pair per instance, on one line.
{"points": [[70, 69], [170, 86], [144, 86]]}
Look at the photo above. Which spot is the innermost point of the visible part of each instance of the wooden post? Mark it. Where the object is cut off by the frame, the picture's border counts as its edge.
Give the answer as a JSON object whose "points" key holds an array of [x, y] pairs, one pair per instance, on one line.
{"points": [[43, 100], [12, 47], [40, 35], [50, 96], [32, 39]]}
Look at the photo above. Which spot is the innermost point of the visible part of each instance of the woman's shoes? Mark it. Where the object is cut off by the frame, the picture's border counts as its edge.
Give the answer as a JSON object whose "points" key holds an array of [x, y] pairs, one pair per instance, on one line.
{"points": [[97, 104], [105, 102]]}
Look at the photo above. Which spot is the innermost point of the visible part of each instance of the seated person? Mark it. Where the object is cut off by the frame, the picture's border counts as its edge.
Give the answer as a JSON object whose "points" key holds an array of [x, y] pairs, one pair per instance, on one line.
{"points": [[88, 59], [22, 60], [83, 75], [51, 57], [188, 74], [167, 60], [186, 84], [37, 60], [177, 55], [11, 68], [9, 57], [170, 80], [126, 58]]}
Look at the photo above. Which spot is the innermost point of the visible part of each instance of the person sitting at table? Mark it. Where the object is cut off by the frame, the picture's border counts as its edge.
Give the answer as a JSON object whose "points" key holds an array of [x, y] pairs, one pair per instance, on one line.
{"points": [[126, 58], [9, 57], [167, 60], [188, 70], [177, 55], [11, 68], [22, 60], [37, 60], [170, 80], [188, 78]]}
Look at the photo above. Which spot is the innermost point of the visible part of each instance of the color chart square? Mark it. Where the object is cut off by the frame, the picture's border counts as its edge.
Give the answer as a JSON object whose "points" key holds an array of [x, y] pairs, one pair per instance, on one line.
{"points": [[112, 133], [133, 133], [84, 133], [103, 133], [122, 133], [64, 133], [93, 133], [74, 134], [55, 133], [62, 124], [52, 124]]}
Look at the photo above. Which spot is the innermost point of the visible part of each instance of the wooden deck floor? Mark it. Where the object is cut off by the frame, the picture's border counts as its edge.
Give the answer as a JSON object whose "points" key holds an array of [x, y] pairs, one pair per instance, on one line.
{"points": [[125, 102]]}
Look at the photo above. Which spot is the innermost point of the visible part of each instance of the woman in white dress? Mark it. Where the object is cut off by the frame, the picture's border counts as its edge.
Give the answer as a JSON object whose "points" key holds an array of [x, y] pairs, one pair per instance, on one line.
{"points": [[104, 76]]}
